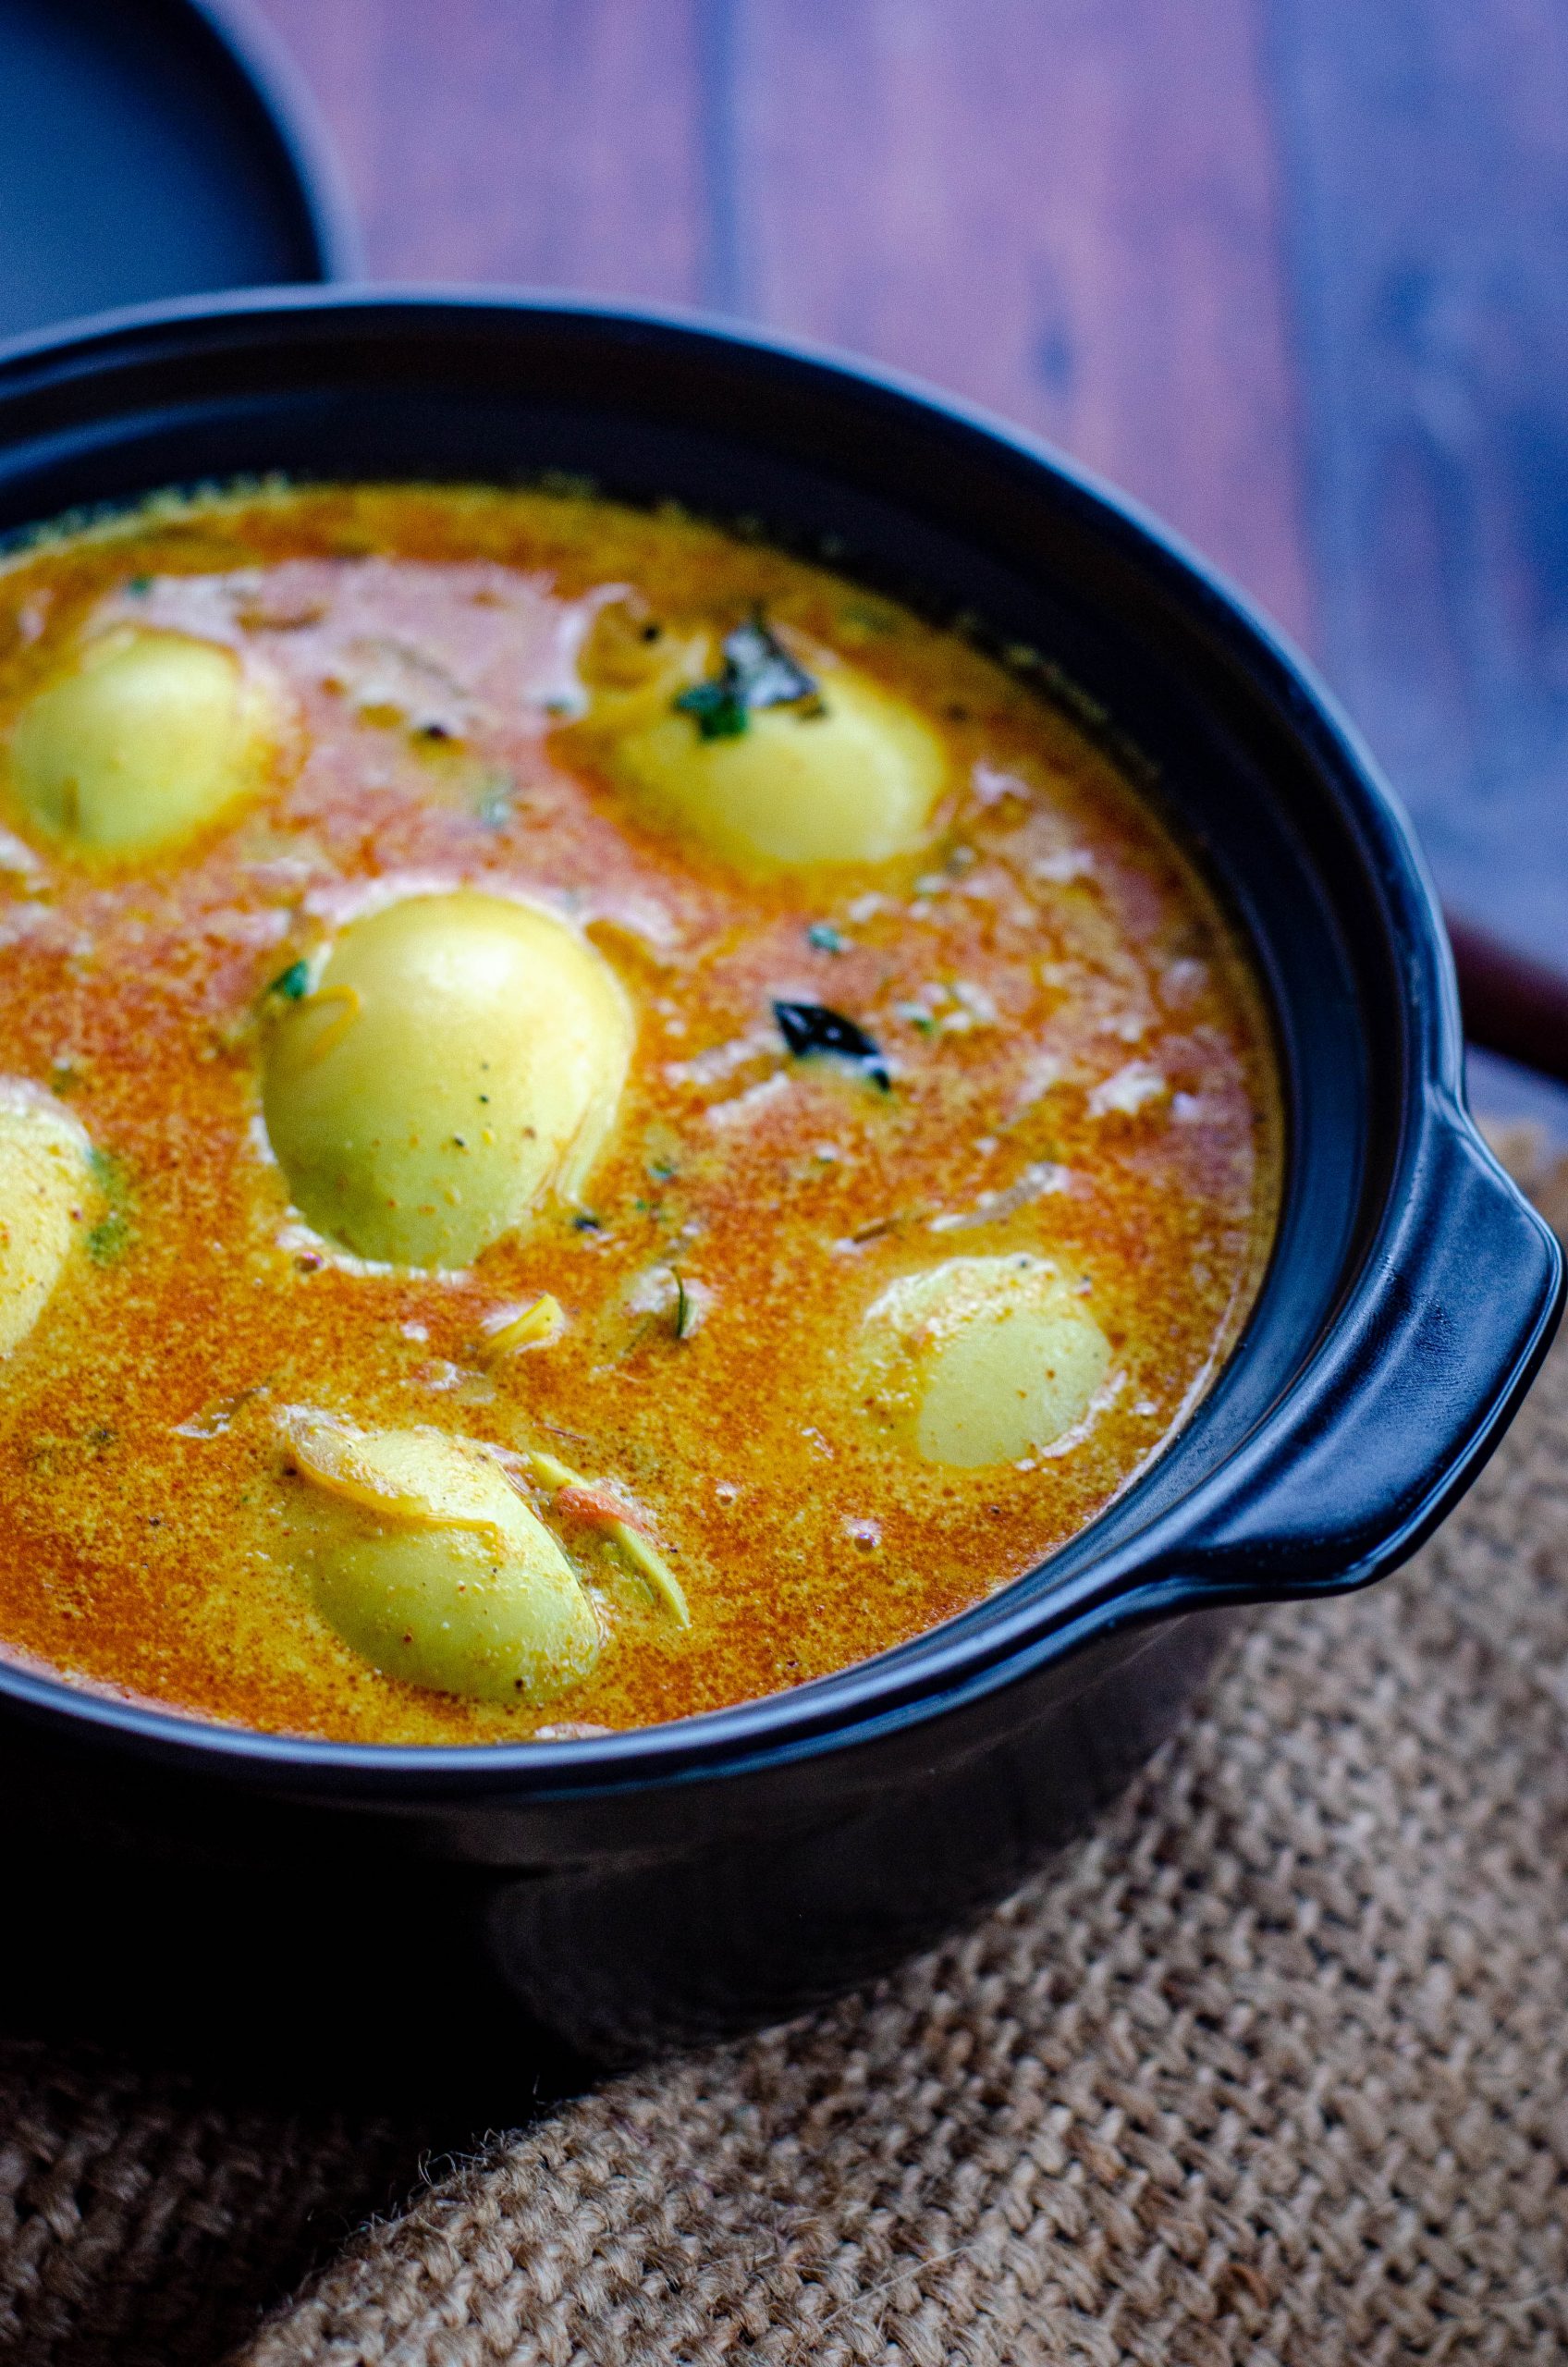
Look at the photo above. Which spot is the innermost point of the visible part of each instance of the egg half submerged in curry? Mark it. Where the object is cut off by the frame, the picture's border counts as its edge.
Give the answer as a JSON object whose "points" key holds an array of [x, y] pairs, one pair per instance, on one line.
{"points": [[141, 739], [459, 1059], [594, 1120]]}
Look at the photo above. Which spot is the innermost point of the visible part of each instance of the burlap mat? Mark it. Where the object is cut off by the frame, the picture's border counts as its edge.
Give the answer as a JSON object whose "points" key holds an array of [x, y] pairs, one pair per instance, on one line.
{"points": [[1271, 2069]]}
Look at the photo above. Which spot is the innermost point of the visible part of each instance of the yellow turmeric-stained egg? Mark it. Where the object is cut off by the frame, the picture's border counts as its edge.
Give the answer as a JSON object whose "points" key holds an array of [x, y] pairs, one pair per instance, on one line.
{"points": [[148, 737], [459, 1062], [849, 774], [983, 1360], [421, 1554], [43, 1181]]}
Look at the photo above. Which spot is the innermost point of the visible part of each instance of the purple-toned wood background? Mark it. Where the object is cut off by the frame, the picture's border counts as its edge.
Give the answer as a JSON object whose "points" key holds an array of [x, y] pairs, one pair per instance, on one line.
{"points": [[1069, 211], [1293, 272]]}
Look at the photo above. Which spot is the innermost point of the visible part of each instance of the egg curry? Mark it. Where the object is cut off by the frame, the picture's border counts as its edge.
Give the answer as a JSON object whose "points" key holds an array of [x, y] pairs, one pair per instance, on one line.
{"points": [[594, 1120]]}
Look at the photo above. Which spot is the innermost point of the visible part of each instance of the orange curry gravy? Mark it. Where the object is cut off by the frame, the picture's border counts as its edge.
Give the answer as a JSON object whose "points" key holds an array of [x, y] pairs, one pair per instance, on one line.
{"points": [[1080, 1067]]}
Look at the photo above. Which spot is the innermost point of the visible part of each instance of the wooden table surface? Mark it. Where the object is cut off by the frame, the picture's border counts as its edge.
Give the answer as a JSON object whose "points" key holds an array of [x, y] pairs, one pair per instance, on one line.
{"points": [[1293, 272]]}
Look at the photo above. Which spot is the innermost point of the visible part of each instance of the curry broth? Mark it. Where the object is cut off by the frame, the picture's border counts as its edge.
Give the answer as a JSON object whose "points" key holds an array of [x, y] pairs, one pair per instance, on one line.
{"points": [[1077, 1059]]}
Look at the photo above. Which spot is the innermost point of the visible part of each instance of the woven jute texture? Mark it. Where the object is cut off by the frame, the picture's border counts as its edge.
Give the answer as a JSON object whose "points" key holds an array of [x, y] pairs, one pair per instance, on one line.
{"points": [[1273, 2068]]}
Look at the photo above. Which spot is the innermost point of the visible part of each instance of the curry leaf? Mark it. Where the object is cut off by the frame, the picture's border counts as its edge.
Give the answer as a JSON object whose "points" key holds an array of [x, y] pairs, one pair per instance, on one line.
{"points": [[716, 709], [759, 671], [811, 1029], [108, 1241]]}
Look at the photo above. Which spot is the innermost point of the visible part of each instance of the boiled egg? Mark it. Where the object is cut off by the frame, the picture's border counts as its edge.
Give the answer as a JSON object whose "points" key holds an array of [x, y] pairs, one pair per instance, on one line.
{"points": [[44, 1180], [423, 1555], [983, 1360], [767, 766], [456, 1067], [146, 738]]}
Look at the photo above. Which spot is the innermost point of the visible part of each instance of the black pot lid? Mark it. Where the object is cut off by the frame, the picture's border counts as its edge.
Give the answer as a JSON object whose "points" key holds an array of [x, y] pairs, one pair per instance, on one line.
{"points": [[154, 148]]}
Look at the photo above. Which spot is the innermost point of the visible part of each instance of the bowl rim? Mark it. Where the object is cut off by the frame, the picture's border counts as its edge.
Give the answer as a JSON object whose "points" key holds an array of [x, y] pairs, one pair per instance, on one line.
{"points": [[1001, 1641]]}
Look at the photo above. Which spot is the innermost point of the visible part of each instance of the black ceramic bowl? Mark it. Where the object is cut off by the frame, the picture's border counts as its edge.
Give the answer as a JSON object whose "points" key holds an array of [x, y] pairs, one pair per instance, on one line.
{"points": [[701, 1876]]}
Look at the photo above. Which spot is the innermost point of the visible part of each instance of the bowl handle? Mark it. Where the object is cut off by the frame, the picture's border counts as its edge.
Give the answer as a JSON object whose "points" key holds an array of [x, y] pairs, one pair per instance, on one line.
{"points": [[1409, 1396]]}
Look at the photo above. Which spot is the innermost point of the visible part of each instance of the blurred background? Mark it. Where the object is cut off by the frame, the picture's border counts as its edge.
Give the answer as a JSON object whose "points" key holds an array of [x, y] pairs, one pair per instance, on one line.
{"points": [[1293, 272]]}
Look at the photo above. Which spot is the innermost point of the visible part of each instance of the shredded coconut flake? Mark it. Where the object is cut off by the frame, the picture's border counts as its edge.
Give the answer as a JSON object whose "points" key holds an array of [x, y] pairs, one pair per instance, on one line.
{"points": [[1128, 1091]]}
